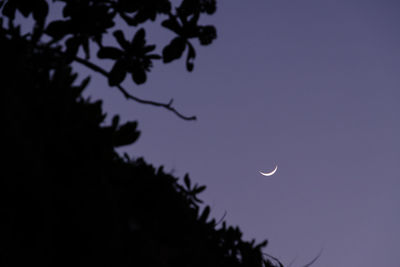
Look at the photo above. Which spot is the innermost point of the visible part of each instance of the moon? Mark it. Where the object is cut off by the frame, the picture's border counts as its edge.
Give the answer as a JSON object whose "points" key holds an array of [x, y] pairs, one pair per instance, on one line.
{"points": [[269, 173]]}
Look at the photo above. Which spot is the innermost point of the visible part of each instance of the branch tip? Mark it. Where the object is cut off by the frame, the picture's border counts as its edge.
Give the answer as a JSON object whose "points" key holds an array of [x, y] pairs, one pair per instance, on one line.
{"points": [[167, 106]]}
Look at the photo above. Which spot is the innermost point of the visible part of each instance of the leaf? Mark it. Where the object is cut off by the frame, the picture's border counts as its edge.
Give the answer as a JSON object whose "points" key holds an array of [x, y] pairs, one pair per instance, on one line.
{"points": [[148, 48], [9, 9], [209, 7], [187, 7], [172, 24], [262, 244], [117, 74], [72, 47], [67, 10], [160, 170], [115, 121], [109, 52], [187, 181], [174, 49], [85, 82], [119, 35], [130, 21], [197, 199], [205, 214], [212, 223], [199, 189], [40, 11], [128, 6], [58, 29], [142, 15], [153, 56], [190, 57], [190, 29], [138, 75], [85, 45], [126, 134], [25, 7], [82, 86], [164, 6], [138, 40], [207, 34]]}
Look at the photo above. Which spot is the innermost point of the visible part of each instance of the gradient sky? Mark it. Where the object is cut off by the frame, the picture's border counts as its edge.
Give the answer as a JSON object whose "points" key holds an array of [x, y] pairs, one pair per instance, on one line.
{"points": [[310, 85]]}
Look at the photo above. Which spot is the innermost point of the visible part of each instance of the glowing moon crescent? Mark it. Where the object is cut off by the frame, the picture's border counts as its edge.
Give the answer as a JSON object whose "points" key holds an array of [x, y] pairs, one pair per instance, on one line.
{"points": [[269, 173]]}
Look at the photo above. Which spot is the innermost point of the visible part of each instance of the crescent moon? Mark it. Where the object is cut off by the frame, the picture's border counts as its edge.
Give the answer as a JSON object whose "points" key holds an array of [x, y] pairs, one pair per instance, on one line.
{"points": [[269, 173]]}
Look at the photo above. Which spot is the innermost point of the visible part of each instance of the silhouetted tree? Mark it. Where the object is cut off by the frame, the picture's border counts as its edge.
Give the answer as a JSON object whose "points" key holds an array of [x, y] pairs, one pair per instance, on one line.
{"points": [[67, 198]]}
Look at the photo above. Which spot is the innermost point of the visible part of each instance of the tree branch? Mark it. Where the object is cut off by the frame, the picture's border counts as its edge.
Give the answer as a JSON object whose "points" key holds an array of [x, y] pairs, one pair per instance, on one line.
{"points": [[167, 106]]}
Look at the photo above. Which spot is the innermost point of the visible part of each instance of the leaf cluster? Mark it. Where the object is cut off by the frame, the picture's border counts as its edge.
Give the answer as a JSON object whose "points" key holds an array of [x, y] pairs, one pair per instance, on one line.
{"points": [[68, 199], [87, 21]]}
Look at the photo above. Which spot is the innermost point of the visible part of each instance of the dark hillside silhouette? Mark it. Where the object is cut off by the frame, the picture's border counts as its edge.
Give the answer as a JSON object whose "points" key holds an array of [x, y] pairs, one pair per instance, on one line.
{"points": [[67, 198]]}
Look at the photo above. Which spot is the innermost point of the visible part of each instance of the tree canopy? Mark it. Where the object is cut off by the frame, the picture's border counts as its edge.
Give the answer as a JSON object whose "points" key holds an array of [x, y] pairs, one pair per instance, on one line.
{"points": [[68, 199], [86, 22]]}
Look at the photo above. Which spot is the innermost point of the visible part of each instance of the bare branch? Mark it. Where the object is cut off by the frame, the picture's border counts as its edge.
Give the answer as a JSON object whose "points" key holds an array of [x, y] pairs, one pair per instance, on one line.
{"points": [[167, 106]]}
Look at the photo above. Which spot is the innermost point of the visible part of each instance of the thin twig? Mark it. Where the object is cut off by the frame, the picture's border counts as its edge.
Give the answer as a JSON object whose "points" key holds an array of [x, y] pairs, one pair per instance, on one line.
{"points": [[290, 264], [314, 260], [167, 106], [220, 220]]}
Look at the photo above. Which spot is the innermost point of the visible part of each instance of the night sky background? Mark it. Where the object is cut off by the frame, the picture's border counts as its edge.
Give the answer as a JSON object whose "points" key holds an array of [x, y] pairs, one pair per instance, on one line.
{"points": [[311, 86]]}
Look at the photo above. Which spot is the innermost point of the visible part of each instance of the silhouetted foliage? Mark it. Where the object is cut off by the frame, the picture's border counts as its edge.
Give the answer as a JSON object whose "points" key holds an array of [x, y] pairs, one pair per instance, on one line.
{"points": [[67, 198]]}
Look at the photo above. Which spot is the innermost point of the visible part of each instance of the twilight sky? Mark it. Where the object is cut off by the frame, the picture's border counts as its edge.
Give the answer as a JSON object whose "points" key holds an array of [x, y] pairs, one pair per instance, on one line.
{"points": [[312, 86]]}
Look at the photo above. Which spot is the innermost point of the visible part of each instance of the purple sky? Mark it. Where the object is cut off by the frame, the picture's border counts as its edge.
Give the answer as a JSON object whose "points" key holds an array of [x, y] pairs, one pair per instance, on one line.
{"points": [[312, 86]]}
